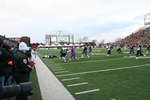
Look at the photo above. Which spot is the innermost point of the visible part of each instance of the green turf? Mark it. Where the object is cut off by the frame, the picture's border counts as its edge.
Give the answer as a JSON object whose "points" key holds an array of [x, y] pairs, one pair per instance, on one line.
{"points": [[125, 84], [36, 90]]}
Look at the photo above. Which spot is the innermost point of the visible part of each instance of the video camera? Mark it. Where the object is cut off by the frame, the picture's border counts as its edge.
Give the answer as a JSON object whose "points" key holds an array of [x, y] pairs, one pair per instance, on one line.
{"points": [[7, 43], [14, 90], [6, 66]]}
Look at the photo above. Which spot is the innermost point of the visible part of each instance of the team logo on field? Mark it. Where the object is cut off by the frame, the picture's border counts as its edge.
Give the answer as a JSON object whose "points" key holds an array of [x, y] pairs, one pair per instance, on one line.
{"points": [[25, 61]]}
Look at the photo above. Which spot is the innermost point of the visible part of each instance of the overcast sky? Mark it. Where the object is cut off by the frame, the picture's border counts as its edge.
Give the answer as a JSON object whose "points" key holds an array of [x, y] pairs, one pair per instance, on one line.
{"points": [[96, 19]]}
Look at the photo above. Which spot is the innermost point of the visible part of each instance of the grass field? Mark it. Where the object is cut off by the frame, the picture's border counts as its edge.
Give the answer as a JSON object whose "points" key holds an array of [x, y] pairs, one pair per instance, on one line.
{"points": [[101, 77]]}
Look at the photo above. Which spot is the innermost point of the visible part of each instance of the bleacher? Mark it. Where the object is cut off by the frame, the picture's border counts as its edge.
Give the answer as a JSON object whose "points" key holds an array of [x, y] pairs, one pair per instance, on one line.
{"points": [[142, 36]]}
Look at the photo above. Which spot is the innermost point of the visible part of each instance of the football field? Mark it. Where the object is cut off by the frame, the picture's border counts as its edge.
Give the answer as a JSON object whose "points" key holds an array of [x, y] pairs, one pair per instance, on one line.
{"points": [[102, 77]]}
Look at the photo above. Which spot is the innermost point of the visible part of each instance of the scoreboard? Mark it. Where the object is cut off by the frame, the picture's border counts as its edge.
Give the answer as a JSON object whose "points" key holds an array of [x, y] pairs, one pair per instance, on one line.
{"points": [[147, 19], [59, 38]]}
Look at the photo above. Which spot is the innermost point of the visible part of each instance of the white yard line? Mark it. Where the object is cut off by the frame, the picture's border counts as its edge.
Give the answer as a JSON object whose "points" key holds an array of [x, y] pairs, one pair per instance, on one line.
{"points": [[93, 61], [85, 92], [77, 84], [136, 57], [61, 72], [142, 57], [129, 56], [98, 54], [105, 70], [58, 69], [69, 79], [126, 52]]}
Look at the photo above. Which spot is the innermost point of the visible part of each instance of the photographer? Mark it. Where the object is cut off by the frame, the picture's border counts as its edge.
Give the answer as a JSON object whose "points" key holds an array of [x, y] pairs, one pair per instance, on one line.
{"points": [[23, 67]]}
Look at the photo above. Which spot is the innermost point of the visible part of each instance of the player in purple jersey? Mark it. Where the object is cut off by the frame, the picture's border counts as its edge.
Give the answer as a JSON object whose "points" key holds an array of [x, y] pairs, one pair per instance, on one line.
{"points": [[73, 53], [148, 49], [132, 50]]}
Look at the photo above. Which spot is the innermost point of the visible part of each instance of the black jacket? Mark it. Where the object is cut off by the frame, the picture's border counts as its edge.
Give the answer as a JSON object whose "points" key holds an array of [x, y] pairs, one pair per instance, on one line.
{"points": [[21, 62]]}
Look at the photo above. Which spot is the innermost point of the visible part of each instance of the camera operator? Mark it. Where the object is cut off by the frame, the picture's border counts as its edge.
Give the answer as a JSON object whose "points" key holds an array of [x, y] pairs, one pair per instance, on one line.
{"points": [[23, 67], [6, 63]]}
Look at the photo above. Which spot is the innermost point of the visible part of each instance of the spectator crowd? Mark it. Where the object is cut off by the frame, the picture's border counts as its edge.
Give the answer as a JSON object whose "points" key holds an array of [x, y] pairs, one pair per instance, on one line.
{"points": [[141, 37]]}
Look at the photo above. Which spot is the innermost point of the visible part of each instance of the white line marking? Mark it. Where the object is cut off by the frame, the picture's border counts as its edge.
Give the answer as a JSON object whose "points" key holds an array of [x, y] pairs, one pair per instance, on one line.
{"points": [[142, 57], [99, 53], [129, 56], [136, 57], [113, 99], [105, 70], [85, 92], [58, 69], [92, 61], [50, 86], [69, 79], [77, 84], [61, 72], [125, 52]]}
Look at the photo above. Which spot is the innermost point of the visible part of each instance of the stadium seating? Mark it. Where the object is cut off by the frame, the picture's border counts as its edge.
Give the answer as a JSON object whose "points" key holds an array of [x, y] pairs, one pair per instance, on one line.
{"points": [[142, 36]]}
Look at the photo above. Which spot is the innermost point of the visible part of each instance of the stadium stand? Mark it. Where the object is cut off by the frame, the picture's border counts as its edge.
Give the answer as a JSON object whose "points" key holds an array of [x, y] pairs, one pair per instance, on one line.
{"points": [[142, 36]]}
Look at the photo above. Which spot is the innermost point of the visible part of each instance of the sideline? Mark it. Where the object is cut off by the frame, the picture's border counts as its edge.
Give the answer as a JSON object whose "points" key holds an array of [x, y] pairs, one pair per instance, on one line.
{"points": [[51, 88]]}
